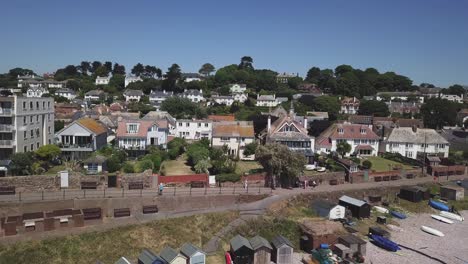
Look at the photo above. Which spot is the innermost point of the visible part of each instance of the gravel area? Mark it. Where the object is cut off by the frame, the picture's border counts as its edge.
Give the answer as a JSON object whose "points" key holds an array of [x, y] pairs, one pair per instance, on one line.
{"points": [[452, 248]]}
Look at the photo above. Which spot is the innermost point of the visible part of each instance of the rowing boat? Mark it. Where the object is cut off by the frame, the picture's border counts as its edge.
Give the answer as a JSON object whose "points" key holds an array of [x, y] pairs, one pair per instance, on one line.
{"points": [[442, 219], [451, 216], [438, 205], [381, 209], [432, 231]]}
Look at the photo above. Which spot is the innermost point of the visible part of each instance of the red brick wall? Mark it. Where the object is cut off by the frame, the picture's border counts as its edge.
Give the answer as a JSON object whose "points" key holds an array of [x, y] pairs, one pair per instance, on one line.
{"points": [[184, 178]]}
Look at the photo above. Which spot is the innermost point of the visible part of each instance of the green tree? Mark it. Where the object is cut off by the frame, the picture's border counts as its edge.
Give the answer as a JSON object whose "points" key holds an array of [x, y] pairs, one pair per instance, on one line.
{"points": [[437, 113], [455, 89], [197, 152], [128, 168], [294, 83], [113, 164], [58, 125], [342, 148], [108, 66], [95, 65], [367, 164], [313, 75], [118, 69], [206, 69], [202, 166], [342, 69], [374, 108], [48, 152], [246, 63], [250, 149], [280, 163], [138, 69], [21, 163], [101, 71], [85, 66], [179, 108], [144, 165], [328, 104]]}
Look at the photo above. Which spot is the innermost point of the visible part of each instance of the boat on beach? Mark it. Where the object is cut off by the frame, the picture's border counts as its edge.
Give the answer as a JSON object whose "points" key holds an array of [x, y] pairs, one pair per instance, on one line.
{"points": [[452, 216], [442, 219], [381, 209], [438, 205], [398, 215], [432, 231], [384, 243]]}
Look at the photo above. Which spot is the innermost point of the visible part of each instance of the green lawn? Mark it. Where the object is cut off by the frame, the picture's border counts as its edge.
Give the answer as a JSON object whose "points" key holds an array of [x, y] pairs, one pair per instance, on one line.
{"points": [[128, 241], [54, 170], [246, 166], [178, 166], [381, 164]]}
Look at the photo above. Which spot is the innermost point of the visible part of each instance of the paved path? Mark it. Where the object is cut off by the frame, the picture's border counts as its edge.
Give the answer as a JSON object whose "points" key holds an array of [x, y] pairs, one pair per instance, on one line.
{"points": [[257, 207]]}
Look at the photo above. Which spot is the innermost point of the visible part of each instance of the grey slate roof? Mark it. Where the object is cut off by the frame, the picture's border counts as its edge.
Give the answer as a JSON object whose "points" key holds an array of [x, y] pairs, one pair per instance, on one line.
{"points": [[421, 136], [351, 200], [148, 257], [94, 93], [279, 241], [96, 159], [266, 97], [238, 242], [133, 93], [154, 94], [192, 92], [64, 90], [258, 242], [168, 254], [189, 250]]}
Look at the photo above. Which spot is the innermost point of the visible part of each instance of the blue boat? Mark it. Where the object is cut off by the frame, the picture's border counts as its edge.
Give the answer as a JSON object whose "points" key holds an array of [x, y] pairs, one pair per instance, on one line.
{"points": [[398, 214], [385, 243], [438, 205]]}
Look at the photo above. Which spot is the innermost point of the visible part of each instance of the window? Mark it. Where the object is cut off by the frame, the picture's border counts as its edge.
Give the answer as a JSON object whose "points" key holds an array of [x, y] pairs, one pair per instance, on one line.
{"points": [[25, 149], [132, 128], [31, 105], [48, 104], [199, 124], [224, 139], [32, 133], [48, 116], [43, 105], [409, 145], [424, 145], [187, 124], [357, 142], [32, 147], [340, 130], [409, 154], [206, 124], [25, 135], [395, 145], [30, 119], [37, 118], [50, 141], [24, 105], [363, 131], [24, 120], [442, 146], [37, 105], [180, 124]]}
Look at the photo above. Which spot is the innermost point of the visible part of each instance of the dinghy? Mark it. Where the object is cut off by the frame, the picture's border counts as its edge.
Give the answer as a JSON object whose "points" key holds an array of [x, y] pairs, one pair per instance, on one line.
{"points": [[432, 231], [381, 209], [438, 205], [451, 216], [385, 243], [398, 214], [442, 219]]}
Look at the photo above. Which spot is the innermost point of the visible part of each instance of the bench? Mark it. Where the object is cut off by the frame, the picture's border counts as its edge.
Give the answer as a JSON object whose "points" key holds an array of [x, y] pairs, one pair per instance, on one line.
{"points": [[91, 213], [121, 212], [197, 184], [7, 190], [136, 185], [36, 215], [150, 209], [89, 185], [394, 177]]}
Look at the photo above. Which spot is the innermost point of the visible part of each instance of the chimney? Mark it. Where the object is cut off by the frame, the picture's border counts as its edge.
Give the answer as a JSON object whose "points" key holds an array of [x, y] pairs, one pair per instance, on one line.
{"points": [[305, 122], [269, 123]]}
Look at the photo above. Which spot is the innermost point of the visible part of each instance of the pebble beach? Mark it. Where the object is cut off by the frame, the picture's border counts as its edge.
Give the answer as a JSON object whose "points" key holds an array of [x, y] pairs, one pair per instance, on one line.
{"points": [[451, 249]]}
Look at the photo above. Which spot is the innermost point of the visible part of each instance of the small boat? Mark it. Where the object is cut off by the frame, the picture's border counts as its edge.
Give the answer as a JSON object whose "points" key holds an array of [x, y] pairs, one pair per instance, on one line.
{"points": [[227, 257], [320, 169], [438, 205], [385, 243], [380, 209], [432, 231], [398, 215], [442, 219], [451, 216]]}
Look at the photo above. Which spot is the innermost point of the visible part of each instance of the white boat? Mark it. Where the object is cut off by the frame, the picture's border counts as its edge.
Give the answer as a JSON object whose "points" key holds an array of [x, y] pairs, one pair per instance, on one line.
{"points": [[432, 231], [381, 209], [309, 167], [442, 219], [321, 169], [451, 216]]}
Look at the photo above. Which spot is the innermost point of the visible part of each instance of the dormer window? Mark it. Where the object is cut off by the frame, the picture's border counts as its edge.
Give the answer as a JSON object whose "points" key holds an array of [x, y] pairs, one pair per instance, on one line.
{"points": [[363, 131], [132, 128], [340, 131]]}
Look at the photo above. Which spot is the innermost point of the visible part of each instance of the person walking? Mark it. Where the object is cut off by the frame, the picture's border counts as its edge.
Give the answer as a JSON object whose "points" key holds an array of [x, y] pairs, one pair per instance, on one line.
{"points": [[161, 188]]}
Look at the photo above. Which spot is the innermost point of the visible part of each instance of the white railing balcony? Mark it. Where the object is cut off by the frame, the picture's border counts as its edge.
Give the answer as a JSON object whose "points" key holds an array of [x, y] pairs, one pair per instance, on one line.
{"points": [[6, 128], [6, 143], [6, 111]]}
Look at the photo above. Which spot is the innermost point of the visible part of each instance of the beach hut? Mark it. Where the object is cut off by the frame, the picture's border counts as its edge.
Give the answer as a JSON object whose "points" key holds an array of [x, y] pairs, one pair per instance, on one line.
{"points": [[262, 250], [282, 250], [193, 254], [452, 192], [241, 250], [148, 257], [172, 257], [354, 243], [358, 208], [321, 232], [328, 210], [414, 194]]}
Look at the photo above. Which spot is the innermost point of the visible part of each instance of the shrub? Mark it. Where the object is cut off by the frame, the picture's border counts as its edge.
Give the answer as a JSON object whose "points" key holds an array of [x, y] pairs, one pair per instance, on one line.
{"points": [[143, 165], [128, 168], [155, 158], [113, 164], [228, 177], [367, 164]]}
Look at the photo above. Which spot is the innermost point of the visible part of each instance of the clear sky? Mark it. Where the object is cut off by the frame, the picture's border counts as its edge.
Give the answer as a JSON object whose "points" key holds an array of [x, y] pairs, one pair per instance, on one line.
{"points": [[427, 40]]}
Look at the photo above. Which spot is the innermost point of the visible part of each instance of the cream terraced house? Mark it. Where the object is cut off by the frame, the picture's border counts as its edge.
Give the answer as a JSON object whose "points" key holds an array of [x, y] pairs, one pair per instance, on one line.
{"points": [[416, 142], [235, 135]]}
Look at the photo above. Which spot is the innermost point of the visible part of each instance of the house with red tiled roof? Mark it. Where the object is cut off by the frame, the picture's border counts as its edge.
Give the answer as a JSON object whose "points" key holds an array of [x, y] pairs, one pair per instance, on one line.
{"points": [[220, 118], [361, 138], [138, 135], [81, 138], [235, 135], [350, 105]]}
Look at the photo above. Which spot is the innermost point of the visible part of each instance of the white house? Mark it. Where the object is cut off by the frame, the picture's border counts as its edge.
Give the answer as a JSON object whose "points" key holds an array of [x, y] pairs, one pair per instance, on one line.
{"points": [[102, 80], [194, 129], [267, 100], [132, 79], [237, 88], [194, 96], [36, 91], [452, 97], [414, 142], [401, 96], [361, 138], [235, 135], [284, 77], [133, 95], [328, 210], [140, 134], [95, 95], [191, 77], [193, 254], [66, 92], [349, 105], [223, 99]]}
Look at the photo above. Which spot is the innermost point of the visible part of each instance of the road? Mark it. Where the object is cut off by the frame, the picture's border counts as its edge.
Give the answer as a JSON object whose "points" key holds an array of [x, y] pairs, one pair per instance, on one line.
{"points": [[254, 208]]}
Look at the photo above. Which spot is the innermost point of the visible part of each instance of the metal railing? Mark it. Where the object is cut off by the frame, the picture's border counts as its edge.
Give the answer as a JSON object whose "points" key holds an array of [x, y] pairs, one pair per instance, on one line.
{"points": [[6, 111], [6, 142], [68, 194], [6, 128]]}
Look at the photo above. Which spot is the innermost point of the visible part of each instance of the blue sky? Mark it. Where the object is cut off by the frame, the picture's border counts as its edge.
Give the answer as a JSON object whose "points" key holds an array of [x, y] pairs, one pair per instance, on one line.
{"points": [[427, 40]]}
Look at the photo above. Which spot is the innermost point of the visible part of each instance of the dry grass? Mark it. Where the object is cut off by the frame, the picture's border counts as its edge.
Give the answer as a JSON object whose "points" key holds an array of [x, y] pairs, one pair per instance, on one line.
{"points": [[177, 167], [109, 246], [246, 166]]}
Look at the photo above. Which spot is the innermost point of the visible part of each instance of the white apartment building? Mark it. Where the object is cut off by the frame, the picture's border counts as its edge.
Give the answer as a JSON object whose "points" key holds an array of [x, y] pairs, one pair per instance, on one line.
{"points": [[132, 79], [235, 135], [350, 105], [36, 91], [103, 80], [229, 99], [414, 142], [193, 129], [140, 134], [452, 97], [267, 100]]}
